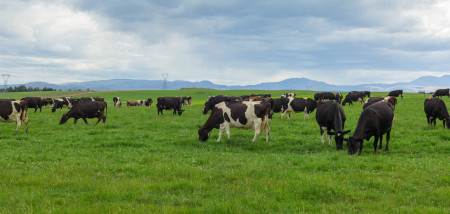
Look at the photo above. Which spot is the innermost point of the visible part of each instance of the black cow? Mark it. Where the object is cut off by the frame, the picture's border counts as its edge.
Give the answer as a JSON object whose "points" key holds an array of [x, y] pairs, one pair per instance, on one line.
{"points": [[186, 101], [330, 116], [298, 105], [353, 97], [396, 93], [168, 103], [14, 111], [47, 102], [117, 102], [376, 120], [34, 102], [213, 100], [278, 104], [324, 96], [435, 108], [237, 114], [149, 102], [93, 109], [441, 92], [60, 103], [390, 99]]}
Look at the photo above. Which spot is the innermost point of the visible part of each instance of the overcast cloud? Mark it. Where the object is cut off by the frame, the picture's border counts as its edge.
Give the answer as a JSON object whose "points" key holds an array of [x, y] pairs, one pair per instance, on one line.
{"points": [[227, 42]]}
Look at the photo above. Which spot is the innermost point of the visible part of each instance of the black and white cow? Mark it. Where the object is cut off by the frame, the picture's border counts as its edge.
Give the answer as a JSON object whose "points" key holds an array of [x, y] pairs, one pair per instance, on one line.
{"points": [[186, 101], [168, 103], [376, 120], [353, 97], [117, 102], [14, 111], [396, 93], [47, 102], [435, 108], [298, 105], [237, 114], [93, 109], [390, 99], [60, 103], [34, 102], [441, 93], [330, 116], [287, 95]]}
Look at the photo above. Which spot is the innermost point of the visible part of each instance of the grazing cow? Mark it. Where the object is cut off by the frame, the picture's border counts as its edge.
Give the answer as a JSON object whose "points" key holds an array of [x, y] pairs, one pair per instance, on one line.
{"points": [[60, 103], [213, 100], [376, 120], [14, 111], [168, 103], [390, 99], [117, 102], [396, 93], [441, 92], [186, 101], [324, 96], [34, 102], [298, 105], [353, 97], [149, 102], [330, 116], [93, 109], [435, 108], [237, 114], [137, 103]]}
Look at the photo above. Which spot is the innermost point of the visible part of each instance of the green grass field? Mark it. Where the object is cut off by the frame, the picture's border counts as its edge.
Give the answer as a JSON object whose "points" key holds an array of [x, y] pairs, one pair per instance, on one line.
{"points": [[141, 162]]}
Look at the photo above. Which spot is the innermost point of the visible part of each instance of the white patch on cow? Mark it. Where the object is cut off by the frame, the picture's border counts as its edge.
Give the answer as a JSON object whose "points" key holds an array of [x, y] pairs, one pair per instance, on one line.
{"points": [[288, 110], [324, 129]]}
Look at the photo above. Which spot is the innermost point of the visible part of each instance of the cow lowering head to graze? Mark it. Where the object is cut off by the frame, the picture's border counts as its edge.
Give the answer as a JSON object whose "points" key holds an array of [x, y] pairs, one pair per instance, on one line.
{"points": [[167, 103], [237, 114], [93, 109], [376, 120], [353, 97], [14, 111], [330, 116], [135, 102], [396, 93], [117, 102], [441, 93], [298, 105], [34, 102], [213, 100], [435, 108], [390, 99]]}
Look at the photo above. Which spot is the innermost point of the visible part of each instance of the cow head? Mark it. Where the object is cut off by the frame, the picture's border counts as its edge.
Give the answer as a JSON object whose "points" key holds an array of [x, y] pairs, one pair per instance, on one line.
{"points": [[149, 101], [64, 119], [203, 134], [353, 145], [206, 109], [339, 138]]}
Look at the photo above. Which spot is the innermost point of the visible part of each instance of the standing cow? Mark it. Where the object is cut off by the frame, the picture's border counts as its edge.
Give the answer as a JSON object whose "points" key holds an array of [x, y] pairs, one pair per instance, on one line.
{"points": [[14, 111], [353, 97], [396, 93], [441, 92], [168, 103], [237, 114], [376, 120], [330, 116], [34, 102], [435, 108], [298, 105], [117, 102], [186, 101], [94, 109]]}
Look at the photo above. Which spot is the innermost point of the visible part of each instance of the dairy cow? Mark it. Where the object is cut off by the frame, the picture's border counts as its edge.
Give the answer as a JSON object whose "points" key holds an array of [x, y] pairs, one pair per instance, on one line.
{"points": [[435, 109], [330, 116], [34, 102], [396, 93], [390, 99], [93, 109], [14, 111], [213, 100], [186, 101], [354, 96], [117, 102], [237, 114], [168, 103], [441, 92], [290, 104]]}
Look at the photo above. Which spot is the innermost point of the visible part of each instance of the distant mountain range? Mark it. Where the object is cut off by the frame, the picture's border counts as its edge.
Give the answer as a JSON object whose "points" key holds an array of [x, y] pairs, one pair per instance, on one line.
{"points": [[425, 83]]}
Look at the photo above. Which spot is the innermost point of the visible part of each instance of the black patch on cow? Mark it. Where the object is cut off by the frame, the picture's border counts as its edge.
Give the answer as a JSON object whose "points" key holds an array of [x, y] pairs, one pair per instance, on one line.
{"points": [[225, 115], [5, 109], [238, 111]]}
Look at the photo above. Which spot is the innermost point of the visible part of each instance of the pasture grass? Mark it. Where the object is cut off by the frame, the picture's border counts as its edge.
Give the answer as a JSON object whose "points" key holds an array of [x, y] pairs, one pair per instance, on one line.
{"points": [[141, 162]]}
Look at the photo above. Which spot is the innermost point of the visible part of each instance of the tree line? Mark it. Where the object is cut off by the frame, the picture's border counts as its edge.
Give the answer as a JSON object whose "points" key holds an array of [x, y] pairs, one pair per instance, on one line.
{"points": [[23, 88]]}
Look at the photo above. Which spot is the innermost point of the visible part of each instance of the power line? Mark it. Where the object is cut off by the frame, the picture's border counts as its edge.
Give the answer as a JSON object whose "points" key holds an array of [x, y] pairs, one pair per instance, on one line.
{"points": [[165, 76], [5, 82]]}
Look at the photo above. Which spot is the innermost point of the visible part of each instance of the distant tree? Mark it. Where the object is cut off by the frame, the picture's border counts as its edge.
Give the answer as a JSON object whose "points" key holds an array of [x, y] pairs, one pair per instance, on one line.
{"points": [[21, 88]]}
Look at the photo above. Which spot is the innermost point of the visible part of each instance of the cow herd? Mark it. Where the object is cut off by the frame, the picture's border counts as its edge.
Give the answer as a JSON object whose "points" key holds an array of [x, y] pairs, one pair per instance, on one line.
{"points": [[253, 111]]}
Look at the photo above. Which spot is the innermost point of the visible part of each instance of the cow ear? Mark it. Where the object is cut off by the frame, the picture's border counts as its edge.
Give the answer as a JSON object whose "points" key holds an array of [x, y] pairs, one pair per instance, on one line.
{"points": [[330, 133], [346, 132]]}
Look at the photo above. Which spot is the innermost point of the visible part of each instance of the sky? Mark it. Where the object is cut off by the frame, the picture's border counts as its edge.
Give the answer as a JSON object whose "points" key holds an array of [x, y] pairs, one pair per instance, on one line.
{"points": [[226, 42]]}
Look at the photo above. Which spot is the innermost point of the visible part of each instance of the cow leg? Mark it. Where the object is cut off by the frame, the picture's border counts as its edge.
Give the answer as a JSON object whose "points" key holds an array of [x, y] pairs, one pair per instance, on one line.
{"points": [[104, 119], [19, 123], [35, 110], [267, 131], [360, 147], [85, 121], [282, 114], [256, 126], [428, 120], [75, 120], [221, 129], [380, 146], [321, 134], [388, 137], [329, 139], [434, 121]]}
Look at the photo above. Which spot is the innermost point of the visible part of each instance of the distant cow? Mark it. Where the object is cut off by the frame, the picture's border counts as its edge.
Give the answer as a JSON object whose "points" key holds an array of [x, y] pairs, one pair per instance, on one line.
{"points": [[441, 92], [14, 111], [149, 102], [396, 93], [93, 109], [34, 102], [60, 103], [213, 100], [354, 97], [137, 103], [186, 101], [376, 120], [237, 114], [435, 108], [117, 102], [330, 116], [47, 102], [167, 103], [298, 105], [287, 95], [390, 99]]}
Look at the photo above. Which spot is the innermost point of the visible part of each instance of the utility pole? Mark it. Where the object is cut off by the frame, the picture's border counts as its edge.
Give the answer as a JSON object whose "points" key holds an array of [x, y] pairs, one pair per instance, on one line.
{"points": [[5, 82], [165, 76]]}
